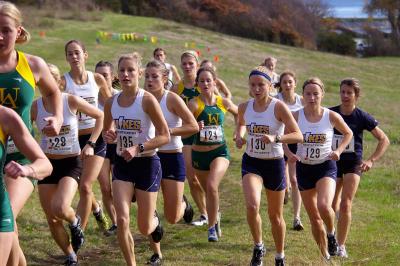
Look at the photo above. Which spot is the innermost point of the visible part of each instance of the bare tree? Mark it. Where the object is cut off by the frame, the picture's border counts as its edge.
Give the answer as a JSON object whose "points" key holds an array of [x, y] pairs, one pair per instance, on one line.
{"points": [[391, 9]]}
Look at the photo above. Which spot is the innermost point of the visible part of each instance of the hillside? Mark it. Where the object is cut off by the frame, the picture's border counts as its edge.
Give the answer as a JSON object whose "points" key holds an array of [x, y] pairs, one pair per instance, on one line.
{"points": [[374, 236]]}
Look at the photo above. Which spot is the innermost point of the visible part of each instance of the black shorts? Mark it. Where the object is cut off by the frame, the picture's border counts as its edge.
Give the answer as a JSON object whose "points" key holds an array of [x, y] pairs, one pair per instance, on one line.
{"points": [[309, 174], [144, 172], [173, 166], [292, 148], [71, 167], [99, 150], [348, 167], [111, 152], [271, 171]]}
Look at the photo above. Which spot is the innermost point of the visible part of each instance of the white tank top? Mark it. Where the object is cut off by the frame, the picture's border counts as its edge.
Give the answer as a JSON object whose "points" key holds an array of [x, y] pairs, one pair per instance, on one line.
{"points": [[261, 123], [88, 91], [169, 68], [133, 126], [66, 143], [113, 92], [173, 121], [292, 107], [317, 136]]}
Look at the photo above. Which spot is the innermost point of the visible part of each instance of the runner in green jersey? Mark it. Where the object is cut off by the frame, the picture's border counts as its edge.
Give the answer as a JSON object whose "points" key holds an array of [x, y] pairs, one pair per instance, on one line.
{"points": [[19, 75], [12, 125], [210, 155]]}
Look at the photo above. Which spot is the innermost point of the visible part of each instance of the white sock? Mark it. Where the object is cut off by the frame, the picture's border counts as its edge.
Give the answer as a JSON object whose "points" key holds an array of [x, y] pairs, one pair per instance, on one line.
{"points": [[332, 233], [75, 222], [280, 255], [259, 245], [73, 256], [97, 210]]}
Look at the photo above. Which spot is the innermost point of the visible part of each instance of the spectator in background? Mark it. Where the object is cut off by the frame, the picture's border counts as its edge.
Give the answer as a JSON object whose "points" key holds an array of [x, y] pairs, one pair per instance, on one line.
{"points": [[270, 63]]}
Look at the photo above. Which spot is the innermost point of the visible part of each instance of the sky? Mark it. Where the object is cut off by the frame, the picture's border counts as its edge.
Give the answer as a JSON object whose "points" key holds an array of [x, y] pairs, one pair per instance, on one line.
{"points": [[347, 8]]}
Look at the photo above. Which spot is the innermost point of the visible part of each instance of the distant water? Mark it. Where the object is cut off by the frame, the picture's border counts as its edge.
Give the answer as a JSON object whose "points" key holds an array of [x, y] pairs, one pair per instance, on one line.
{"points": [[347, 8]]}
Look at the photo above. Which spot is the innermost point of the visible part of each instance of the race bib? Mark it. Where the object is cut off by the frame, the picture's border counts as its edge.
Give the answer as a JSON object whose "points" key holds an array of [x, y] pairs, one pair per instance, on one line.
{"points": [[337, 139], [311, 153], [211, 134], [126, 139], [11, 148], [255, 146], [59, 145], [84, 119]]}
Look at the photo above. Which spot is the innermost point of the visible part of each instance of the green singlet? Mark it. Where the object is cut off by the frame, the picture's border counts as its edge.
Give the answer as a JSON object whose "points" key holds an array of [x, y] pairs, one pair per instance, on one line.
{"points": [[187, 94], [213, 118], [17, 91], [6, 215]]}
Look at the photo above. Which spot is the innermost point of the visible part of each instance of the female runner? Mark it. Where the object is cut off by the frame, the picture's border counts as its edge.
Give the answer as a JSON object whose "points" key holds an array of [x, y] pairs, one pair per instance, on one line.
{"points": [[187, 89], [315, 163], [20, 74], [87, 85], [106, 69], [351, 165], [134, 119], [210, 154], [287, 94], [268, 123], [11, 125], [180, 122]]}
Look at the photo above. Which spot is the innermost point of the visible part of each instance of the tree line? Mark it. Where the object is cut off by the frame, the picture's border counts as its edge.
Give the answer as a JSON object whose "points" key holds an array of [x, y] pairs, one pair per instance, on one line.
{"points": [[301, 23]]}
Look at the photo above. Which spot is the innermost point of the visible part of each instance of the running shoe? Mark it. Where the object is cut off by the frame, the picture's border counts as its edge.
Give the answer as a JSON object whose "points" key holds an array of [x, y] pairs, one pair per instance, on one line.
{"points": [[159, 231], [280, 262], [101, 219], [155, 260], [188, 214], [77, 236], [342, 252], [111, 231], [201, 221], [258, 255], [70, 262], [212, 235], [218, 225], [297, 225], [332, 245]]}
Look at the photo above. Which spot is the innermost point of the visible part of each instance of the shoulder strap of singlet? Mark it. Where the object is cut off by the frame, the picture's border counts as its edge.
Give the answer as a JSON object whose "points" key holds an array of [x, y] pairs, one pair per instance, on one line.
{"points": [[24, 69], [3, 138], [220, 104], [164, 98], [200, 107], [181, 87]]}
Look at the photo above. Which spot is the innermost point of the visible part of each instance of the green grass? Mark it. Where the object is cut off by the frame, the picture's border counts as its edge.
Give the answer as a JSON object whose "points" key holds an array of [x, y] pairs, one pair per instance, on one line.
{"points": [[374, 237]]}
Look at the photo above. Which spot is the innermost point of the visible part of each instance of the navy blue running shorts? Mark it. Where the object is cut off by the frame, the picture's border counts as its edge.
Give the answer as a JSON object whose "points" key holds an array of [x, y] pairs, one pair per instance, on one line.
{"points": [[309, 174], [144, 172], [111, 152], [348, 167], [271, 171], [99, 150], [173, 166]]}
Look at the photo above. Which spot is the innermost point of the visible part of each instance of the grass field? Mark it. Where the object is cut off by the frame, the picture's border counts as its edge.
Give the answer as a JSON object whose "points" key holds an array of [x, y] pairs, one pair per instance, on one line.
{"points": [[374, 237]]}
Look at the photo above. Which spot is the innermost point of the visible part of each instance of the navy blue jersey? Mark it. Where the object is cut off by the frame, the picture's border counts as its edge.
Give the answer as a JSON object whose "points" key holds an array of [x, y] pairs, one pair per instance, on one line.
{"points": [[358, 121]]}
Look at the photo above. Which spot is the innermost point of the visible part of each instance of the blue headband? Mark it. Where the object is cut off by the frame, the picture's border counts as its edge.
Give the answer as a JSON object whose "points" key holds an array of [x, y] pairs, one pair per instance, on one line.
{"points": [[256, 72]]}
